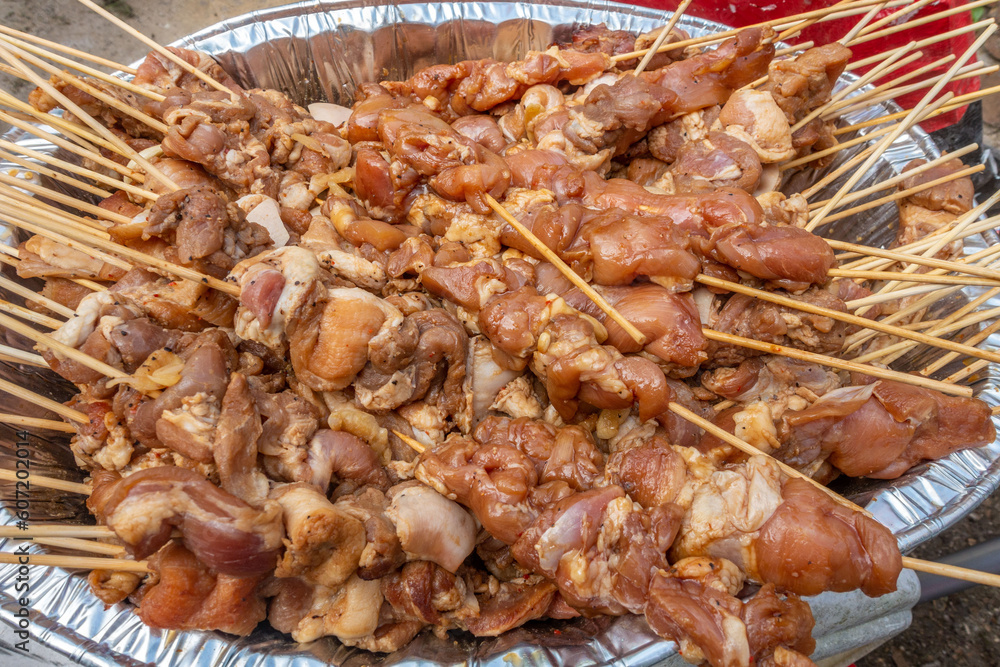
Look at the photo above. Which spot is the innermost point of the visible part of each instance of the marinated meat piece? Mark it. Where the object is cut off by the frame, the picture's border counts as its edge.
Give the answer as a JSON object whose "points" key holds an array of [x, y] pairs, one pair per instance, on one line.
{"points": [[932, 210], [459, 168], [382, 552], [804, 82], [159, 73], [223, 532], [761, 320], [812, 544], [480, 85], [883, 429], [718, 161], [113, 587], [754, 117], [566, 454], [704, 622], [670, 321], [426, 360], [189, 596], [234, 449], [202, 224], [42, 257], [612, 117], [323, 543]]}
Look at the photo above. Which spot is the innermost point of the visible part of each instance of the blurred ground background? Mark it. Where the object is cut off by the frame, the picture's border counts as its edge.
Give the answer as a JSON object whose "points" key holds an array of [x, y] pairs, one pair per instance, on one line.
{"points": [[962, 630]]}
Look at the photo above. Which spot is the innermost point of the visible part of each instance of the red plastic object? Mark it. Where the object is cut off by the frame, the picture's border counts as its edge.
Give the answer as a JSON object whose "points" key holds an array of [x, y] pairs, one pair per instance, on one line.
{"points": [[739, 13]]}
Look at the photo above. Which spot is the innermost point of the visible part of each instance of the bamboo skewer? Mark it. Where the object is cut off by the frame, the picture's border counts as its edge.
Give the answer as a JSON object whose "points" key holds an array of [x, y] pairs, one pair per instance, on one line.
{"points": [[834, 109], [892, 352], [410, 442], [883, 68], [976, 69], [956, 267], [75, 132], [79, 204], [35, 422], [846, 213], [833, 362], [56, 530], [76, 562], [93, 245], [913, 23], [30, 315], [869, 262], [654, 48], [862, 139], [32, 169], [853, 342], [847, 317], [946, 359], [861, 24], [94, 92], [72, 168], [12, 354], [46, 482], [48, 341], [920, 44], [82, 151], [955, 103], [8, 193], [41, 401], [910, 9], [826, 13], [912, 277], [89, 71], [177, 60], [942, 239], [899, 178], [850, 164], [31, 295], [124, 148], [802, 25], [971, 369], [45, 229], [72, 131], [901, 290], [570, 274], [76, 53], [77, 544]]}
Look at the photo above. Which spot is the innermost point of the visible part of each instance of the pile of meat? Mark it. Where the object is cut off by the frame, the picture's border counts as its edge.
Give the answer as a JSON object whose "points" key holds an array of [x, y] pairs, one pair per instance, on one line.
{"points": [[253, 454]]}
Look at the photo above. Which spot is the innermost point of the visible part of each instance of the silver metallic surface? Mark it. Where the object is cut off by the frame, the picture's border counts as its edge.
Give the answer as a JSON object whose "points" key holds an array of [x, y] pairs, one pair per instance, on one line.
{"points": [[321, 50]]}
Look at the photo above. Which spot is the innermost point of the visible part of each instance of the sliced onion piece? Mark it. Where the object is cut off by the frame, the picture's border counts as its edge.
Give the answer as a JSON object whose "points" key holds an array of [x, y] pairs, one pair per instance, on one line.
{"points": [[266, 213], [330, 113]]}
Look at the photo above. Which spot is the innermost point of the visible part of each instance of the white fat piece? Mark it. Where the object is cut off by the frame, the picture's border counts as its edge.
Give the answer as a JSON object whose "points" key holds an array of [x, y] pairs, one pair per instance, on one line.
{"points": [[84, 322], [431, 527], [488, 378]]}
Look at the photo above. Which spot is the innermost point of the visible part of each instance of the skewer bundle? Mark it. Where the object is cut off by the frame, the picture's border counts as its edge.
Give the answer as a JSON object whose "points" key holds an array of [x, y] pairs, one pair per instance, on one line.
{"points": [[619, 388]]}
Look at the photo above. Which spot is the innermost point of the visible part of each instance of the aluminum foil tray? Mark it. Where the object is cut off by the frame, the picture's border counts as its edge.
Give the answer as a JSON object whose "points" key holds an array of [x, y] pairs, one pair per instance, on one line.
{"points": [[319, 51]]}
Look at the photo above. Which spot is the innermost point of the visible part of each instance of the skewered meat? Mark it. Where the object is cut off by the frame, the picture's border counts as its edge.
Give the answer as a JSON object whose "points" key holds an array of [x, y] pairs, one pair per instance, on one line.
{"points": [[255, 451], [883, 429], [221, 530]]}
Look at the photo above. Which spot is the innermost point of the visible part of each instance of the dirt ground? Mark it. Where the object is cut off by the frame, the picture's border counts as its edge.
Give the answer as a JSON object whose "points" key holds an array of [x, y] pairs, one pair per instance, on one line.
{"points": [[962, 630]]}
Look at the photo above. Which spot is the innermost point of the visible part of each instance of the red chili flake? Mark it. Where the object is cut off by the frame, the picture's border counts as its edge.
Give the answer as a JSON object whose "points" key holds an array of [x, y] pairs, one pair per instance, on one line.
{"points": [[557, 632]]}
